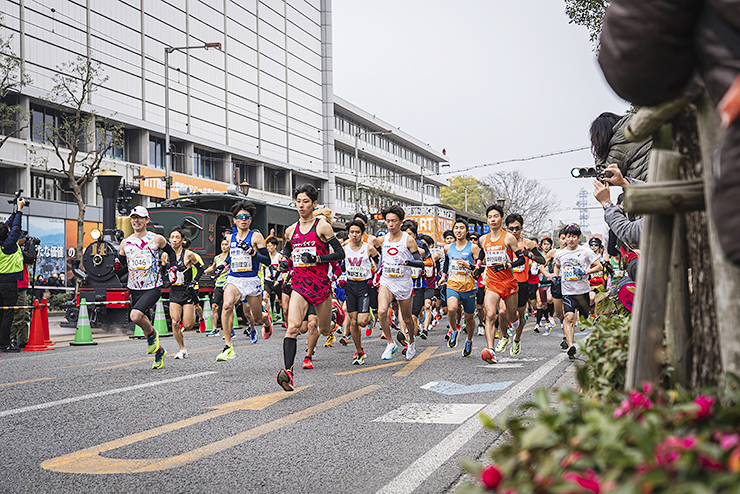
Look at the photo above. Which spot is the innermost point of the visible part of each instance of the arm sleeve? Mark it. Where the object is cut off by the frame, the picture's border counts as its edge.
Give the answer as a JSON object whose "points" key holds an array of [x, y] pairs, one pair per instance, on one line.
{"points": [[537, 256], [171, 256], [611, 245], [199, 272], [287, 250], [263, 256], [627, 231], [14, 225], [520, 259], [417, 262], [338, 253], [446, 265]]}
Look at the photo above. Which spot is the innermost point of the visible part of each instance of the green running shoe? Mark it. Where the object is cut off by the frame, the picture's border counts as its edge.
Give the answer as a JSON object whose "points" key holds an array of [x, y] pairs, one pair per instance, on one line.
{"points": [[159, 358], [516, 347], [152, 343], [226, 354], [501, 346]]}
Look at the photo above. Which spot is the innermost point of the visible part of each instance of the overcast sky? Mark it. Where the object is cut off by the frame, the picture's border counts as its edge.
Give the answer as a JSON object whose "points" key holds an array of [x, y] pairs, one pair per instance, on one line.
{"points": [[488, 80]]}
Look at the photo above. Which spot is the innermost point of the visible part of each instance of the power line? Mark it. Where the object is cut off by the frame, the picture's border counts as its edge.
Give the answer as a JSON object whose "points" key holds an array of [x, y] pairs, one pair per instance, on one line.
{"points": [[513, 160]]}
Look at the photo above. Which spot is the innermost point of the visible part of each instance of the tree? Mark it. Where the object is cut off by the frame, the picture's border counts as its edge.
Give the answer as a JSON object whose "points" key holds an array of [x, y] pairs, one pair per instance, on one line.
{"points": [[12, 78], [80, 139], [587, 13], [535, 202], [454, 194]]}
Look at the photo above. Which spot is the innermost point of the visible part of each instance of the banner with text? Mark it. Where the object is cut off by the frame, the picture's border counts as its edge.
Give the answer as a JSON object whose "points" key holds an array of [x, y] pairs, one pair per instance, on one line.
{"points": [[153, 185]]}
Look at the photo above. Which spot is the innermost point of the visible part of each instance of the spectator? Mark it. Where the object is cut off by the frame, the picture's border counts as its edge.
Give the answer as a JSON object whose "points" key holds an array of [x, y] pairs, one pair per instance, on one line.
{"points": [[626, 230], [19, 329], [609, 145], [11, 267]]}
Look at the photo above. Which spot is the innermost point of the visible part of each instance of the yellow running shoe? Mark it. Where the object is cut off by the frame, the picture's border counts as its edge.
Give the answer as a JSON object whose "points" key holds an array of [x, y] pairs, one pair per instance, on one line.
{"points": [[330, 340], [159, 358], [152, 343], [226, 354]]}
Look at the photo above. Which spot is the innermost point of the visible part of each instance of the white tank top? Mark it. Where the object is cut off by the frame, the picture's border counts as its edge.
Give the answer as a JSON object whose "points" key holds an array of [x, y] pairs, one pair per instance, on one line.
{"points": [[394, 256], [357, 263], [143, 262]]}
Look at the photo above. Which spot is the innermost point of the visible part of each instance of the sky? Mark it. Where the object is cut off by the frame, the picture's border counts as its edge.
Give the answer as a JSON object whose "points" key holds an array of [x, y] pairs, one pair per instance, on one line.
{"points": [[487, 80]]}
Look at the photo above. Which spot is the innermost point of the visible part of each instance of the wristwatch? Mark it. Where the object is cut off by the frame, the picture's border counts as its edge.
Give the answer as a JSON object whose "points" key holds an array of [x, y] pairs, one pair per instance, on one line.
{"points": [[607, 204]]}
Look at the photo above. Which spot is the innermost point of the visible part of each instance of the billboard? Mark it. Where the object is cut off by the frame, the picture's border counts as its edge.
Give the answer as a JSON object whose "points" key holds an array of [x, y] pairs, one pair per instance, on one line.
{"points": [[434, 226], [51, 255], [153, 186]]}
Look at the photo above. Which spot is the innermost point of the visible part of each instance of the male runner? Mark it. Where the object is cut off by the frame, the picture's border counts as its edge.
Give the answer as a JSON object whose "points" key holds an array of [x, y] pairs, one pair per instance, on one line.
{"points": [[273, 278], [138, 253], [307, 246], [399, 253], [246, 252], [430, 284], [220, 269], [372, 240], [498, 250]]}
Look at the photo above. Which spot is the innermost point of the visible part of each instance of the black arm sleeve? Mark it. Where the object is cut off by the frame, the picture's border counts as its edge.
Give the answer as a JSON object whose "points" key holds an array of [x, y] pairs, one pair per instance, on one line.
{"points": [[171, 256], [263, 256], [446, 265], [338, 253], [520, 259], [417, 262], [376, 259], [199, 272], [481, 254], [537, 256], [287, 250]]}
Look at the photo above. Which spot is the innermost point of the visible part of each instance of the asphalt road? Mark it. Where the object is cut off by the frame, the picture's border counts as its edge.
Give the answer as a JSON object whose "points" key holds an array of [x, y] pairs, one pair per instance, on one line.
{"points": [[98, 418]]}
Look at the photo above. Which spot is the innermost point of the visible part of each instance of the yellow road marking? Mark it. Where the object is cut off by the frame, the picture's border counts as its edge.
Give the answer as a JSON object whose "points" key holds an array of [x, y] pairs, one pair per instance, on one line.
{"points": [[390, 364], [90, 461], [24, 382], [416, 362]]}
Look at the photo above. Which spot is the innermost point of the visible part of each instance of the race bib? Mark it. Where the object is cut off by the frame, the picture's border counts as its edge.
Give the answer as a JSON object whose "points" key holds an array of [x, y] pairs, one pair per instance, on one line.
{"points": [[242, 262], [395, 270], [296, 256], [494, 257], [428, 271], [356, 273], [142, 262], [415, 273], [457, 267]]}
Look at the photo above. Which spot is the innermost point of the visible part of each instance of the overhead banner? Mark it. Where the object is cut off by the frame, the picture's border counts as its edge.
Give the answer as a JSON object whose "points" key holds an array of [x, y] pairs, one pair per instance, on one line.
{"points": [[153, 185]]}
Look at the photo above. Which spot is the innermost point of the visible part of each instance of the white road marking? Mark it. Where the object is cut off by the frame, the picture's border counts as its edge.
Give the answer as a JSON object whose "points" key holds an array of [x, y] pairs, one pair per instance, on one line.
{"points": [[431, 413], [500, 366], [91, 396], [411, 478]]}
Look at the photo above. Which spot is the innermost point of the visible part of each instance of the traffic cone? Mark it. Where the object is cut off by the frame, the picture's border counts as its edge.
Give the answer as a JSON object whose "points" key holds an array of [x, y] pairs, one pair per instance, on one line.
{"points": [[36, 337], [138, 333], [45, 323], [83, 335], [236, 320], [207, 317], [160, 322]]}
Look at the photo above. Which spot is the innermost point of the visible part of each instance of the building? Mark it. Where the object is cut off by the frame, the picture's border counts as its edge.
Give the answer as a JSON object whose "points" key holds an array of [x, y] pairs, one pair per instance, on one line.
{"points": [[259, 110]]}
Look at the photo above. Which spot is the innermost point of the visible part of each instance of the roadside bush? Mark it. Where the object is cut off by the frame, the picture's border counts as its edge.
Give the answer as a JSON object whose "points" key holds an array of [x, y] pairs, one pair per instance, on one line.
{"points": [[56, 301], [647, 441], [606, 352]]}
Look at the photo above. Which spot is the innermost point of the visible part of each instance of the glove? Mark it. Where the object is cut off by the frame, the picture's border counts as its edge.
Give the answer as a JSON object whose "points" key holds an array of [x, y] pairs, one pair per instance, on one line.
{"points": [[497, 268], [578, 271], [117, 266], [283, 266], [219, 269], [341, 283], [308, 258], [478, 271], [245, 246]]}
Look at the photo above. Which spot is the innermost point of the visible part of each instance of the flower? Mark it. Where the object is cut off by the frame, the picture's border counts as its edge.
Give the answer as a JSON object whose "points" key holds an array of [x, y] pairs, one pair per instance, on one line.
{"points": [[709, 463], [590, 481], [491, 477], [733, 462], [726, 441], [705, 406]]}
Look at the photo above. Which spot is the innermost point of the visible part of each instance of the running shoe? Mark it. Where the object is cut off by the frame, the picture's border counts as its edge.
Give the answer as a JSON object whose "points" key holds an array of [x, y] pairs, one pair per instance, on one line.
{"points": [[449, 333], [307, 363], [159, 358], [369, 331], [226, 354], [548, 328], [181, 354], [468, 348], [252, 335], [572, 352], [358, 358], [344, 340], [213, 332], [390, 349], [246, 331], [452, 343], [516, 347], [152, 343], [401, 337], [424, 334], [382, 336], [330, 340], [496, 334], [564, 344], [411, 351], [285, 379], [536, 328], [267, 328], [488, 356], [481, 330], [501, 346]]}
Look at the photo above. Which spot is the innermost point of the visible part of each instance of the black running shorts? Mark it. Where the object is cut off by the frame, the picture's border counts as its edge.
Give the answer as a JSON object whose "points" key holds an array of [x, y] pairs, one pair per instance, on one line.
{"points": [[580, 302], [523, 294], [143, 300], [182, 296], [357, 296]]}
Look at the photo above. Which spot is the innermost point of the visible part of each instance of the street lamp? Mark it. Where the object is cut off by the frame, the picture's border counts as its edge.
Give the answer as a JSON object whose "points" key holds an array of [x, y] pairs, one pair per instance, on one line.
{"points": [[357, 164], [466, 192], [167, 154]]}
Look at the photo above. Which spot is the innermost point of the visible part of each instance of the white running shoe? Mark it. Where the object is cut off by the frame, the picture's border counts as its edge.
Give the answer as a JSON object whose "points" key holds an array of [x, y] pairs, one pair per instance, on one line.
{"points": [[411, 351], [181, 354], [481, 330], [390, 349]]}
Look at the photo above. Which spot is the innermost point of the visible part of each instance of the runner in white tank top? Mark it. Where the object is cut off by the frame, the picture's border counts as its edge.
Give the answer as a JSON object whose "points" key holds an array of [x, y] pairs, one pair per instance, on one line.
{"points": [[396, 274]]}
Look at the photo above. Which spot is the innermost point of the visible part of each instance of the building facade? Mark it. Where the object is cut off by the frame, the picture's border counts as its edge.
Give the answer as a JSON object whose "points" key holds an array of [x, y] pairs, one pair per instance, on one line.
{"points": [[260, 110]]}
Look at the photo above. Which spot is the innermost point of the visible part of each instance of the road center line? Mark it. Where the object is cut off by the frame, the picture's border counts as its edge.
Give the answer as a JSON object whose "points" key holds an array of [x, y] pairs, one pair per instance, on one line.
{"points": [[411, 478], [91, 396], [25, 382], [413, 364]]}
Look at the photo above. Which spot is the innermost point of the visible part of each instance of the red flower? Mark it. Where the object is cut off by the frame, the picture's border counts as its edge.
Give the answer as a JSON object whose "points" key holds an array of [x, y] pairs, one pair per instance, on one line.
{"points": [[705, 406], [491, 477], [726, 440], [709, 463], [589, 481]]}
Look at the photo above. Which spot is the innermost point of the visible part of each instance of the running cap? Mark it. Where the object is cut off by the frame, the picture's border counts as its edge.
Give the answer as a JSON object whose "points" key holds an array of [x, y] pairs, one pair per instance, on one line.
{"points": [[139, 211]]}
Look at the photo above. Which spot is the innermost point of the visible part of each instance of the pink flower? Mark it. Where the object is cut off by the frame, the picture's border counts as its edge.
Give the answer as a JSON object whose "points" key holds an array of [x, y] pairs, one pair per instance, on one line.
{"points": [[639, 400], [709, 463], [491, 477], [705, 406], [590, 481], [646, 388], [726, 441]]}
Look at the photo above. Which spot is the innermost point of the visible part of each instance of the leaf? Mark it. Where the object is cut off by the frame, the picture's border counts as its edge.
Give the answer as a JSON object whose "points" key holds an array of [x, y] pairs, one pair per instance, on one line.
{"points": [[486, 421], [471, 466], [542, 399], [539, 436]]}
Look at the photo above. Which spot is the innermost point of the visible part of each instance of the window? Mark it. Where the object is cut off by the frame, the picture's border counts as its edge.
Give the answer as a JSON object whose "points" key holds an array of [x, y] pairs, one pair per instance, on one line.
{"points": [[275, 181], [177, 157], [45, 187], [204, 163], [114, 139], [156, 152]]}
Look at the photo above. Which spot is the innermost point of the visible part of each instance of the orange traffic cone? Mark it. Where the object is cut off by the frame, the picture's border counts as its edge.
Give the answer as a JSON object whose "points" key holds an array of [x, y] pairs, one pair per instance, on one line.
{"points": [[45, 320], [36, 338]]}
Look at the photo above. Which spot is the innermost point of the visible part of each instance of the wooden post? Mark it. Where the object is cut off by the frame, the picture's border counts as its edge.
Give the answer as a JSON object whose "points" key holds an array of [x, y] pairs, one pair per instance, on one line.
{"points": [[678, 316], [726, 275], [648, 313]]}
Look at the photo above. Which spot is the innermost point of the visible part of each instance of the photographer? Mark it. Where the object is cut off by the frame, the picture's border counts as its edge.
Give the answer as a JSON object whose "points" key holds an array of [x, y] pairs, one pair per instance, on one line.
{"points": [[19, 330], [11, 267], [626, 230]]}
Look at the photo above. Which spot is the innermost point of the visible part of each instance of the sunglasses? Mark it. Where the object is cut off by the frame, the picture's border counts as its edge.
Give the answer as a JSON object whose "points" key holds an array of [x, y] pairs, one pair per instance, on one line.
{"points": [[243, 216], [514, 228]]}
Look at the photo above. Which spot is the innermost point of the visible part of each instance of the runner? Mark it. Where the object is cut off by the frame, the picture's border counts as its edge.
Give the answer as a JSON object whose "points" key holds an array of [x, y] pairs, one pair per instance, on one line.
{"points": [[138, 253], [359, 271], [575, 262], [449, 237], [430, 284], [246, 252], [480, 294], [372, 240], [220, 269], [419, 281], [596, 280], [556, 288], [307, 246], [399, 253], [499, 248], [461, 269], [197, 305], [544, 297], [526, 292], [273, 279]]}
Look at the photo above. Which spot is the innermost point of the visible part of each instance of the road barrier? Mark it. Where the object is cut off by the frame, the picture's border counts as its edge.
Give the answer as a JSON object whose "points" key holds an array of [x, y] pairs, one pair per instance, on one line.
{"points": [[39, 327]]}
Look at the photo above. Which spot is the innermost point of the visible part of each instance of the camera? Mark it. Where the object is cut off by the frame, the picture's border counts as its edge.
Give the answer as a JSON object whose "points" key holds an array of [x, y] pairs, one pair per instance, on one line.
{"points": [[18, 195]]}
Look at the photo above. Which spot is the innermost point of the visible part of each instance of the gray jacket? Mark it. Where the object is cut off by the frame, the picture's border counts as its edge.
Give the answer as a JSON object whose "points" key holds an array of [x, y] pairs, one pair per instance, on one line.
{"points": [[626, 230]]}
